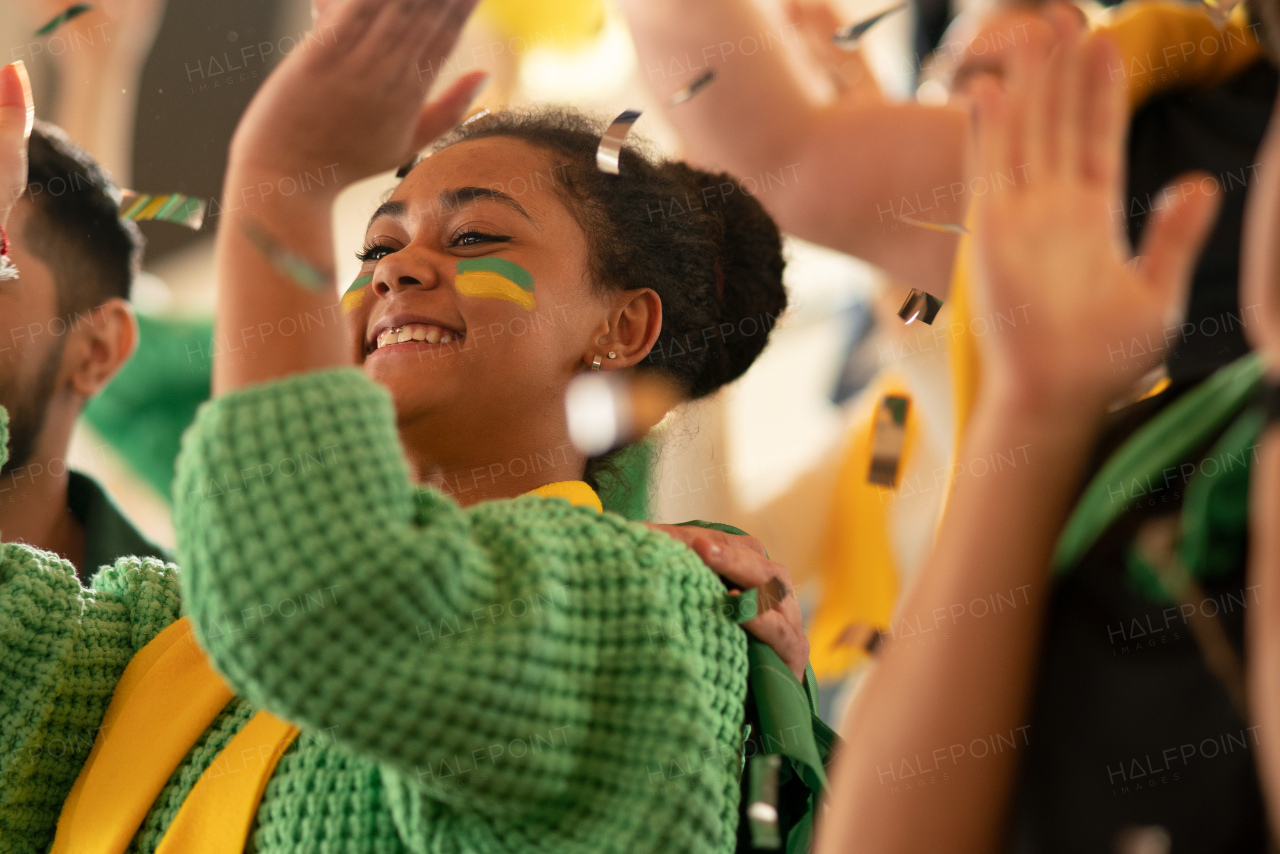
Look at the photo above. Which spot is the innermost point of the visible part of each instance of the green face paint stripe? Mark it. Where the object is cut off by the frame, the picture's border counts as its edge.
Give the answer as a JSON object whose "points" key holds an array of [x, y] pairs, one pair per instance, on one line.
{"points": [[501, 266], [359, 283]]}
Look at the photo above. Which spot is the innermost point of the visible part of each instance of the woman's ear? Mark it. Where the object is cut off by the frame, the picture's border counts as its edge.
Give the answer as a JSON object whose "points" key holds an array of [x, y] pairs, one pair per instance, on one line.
{"points": [[635, 323]]}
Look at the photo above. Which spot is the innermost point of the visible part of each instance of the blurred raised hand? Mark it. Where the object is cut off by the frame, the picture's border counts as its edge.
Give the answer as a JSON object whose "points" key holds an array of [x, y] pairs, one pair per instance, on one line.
{"points": [[17, 112], [1049, 245], [100, 55], [355, 95]]}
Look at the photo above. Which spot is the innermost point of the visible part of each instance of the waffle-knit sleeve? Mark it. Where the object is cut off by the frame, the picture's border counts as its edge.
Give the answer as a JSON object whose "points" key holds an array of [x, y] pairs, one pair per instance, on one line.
{"points": [[525, 668], [62, 651]]}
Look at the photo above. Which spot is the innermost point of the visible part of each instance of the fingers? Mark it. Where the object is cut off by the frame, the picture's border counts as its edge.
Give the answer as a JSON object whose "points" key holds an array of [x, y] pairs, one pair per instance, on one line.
{"points": [[784, 637], [19, 111], [995, 133], [1104, 114], [1070, 96], [1172, 240], [17, 116], [439, 40], [444, 113]]}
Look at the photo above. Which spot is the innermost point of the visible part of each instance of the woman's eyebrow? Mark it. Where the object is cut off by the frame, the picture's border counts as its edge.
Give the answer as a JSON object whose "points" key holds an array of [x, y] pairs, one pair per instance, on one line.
{"points": [[395, 210], [456, 198]]}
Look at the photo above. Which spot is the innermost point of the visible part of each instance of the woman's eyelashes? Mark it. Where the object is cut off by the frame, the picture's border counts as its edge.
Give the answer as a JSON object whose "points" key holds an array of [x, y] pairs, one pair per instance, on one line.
{"points": [[477, 238], [377, 251], [374, 252]]}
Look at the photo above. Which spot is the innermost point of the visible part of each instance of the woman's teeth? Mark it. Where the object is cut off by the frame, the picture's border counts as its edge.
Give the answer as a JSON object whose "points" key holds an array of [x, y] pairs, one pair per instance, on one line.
{"points": [[415, 332]]}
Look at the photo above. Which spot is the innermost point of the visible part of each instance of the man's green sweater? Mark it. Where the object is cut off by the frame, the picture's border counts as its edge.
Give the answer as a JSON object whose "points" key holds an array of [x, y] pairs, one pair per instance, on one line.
{"points": [[521, 675]]}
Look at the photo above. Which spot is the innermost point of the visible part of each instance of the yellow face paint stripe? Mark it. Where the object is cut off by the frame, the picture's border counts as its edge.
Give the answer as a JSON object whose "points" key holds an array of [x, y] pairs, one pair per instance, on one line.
{"points": [[354, 297], [482, 283]]}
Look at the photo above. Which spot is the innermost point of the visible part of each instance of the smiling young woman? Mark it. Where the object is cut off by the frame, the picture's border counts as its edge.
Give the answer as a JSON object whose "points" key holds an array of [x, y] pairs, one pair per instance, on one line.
{"points": [[507, 670]]}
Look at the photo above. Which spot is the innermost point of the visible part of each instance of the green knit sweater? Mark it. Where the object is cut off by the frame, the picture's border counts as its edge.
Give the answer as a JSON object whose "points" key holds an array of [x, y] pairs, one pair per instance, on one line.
{"points": [[521, 675]]}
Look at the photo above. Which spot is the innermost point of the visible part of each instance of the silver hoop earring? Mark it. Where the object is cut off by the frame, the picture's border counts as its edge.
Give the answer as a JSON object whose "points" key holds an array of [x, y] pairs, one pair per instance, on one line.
{"points": [[595, 363]]}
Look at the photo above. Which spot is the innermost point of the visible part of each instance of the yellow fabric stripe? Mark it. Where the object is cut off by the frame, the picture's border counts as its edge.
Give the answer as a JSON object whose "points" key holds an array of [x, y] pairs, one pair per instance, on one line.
{"points": [[860, 579], [218, 813], [166, 698], [482, 283], [576, 492]]}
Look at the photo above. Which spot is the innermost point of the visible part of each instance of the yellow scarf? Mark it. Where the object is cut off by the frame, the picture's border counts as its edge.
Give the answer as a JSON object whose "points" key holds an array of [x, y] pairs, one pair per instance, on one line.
{"points": [[166, 698]]}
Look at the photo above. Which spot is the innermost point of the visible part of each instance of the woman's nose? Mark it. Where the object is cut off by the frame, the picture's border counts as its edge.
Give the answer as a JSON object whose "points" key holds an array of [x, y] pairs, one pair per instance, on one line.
{"points": [[397, 273]]}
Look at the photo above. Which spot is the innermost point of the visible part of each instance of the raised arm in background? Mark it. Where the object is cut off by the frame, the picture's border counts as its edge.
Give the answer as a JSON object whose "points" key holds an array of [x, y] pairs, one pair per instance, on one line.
{"points": [[1260, 286], [99, 74], [845, 167], [287, 107], [1046, 242]]}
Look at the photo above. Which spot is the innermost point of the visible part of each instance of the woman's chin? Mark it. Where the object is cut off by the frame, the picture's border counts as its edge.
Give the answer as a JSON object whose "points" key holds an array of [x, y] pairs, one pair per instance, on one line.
{"points": [[417, 381]]}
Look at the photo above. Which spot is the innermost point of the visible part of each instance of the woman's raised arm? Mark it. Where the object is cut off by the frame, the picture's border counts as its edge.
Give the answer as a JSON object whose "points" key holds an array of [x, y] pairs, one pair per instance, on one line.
{"points": [[347, 104]]}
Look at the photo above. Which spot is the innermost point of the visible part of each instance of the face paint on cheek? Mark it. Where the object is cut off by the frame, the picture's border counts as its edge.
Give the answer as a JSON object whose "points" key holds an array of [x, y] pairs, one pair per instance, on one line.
{"points": [[495, 278], [354, 297]]}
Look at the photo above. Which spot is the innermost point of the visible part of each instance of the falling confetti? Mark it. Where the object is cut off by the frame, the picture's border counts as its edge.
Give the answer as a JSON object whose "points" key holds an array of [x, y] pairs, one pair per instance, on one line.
{"points": [[703, 80], [948, 227], [888, 440], [610, 150], [847, 37], [174, 207], [64, 16], [921, 305]]}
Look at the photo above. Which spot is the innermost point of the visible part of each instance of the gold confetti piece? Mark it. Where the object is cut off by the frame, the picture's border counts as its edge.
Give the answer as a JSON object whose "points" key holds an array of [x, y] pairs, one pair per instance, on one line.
{"points": [[174, 207], [847, 37], [285, 262], [64, 16], [888, 440], [948, 227], [863, 636], [683, 94], [610, 150], [920, 304], [1152, 383]]}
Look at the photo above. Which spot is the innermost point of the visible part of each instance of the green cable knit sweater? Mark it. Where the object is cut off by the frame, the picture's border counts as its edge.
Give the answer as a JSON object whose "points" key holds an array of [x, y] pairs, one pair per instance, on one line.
{"points": [[521, 675]]}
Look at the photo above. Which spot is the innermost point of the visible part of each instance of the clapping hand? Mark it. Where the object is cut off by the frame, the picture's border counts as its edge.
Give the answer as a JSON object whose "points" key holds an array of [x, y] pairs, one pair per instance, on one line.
{"points": [[1050, 239]]}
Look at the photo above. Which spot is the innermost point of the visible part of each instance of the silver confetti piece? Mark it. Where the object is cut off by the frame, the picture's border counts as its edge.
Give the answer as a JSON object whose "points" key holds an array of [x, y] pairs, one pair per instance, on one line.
{"points": [[920, 305], [610, 149], [948, 227], [847, 37], [703, 80]]}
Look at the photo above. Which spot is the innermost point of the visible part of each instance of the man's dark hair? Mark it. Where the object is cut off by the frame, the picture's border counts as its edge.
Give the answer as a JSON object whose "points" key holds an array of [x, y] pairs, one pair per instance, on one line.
{"points": [[75, 226]]}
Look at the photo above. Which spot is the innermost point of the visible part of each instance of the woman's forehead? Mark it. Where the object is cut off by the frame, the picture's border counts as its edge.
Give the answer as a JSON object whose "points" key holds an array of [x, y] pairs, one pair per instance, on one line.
{"points": [[499, 168]]}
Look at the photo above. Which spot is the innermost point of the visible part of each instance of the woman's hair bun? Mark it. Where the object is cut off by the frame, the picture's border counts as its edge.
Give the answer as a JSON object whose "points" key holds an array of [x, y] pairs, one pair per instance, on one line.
{"points": [[749, 296]]}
